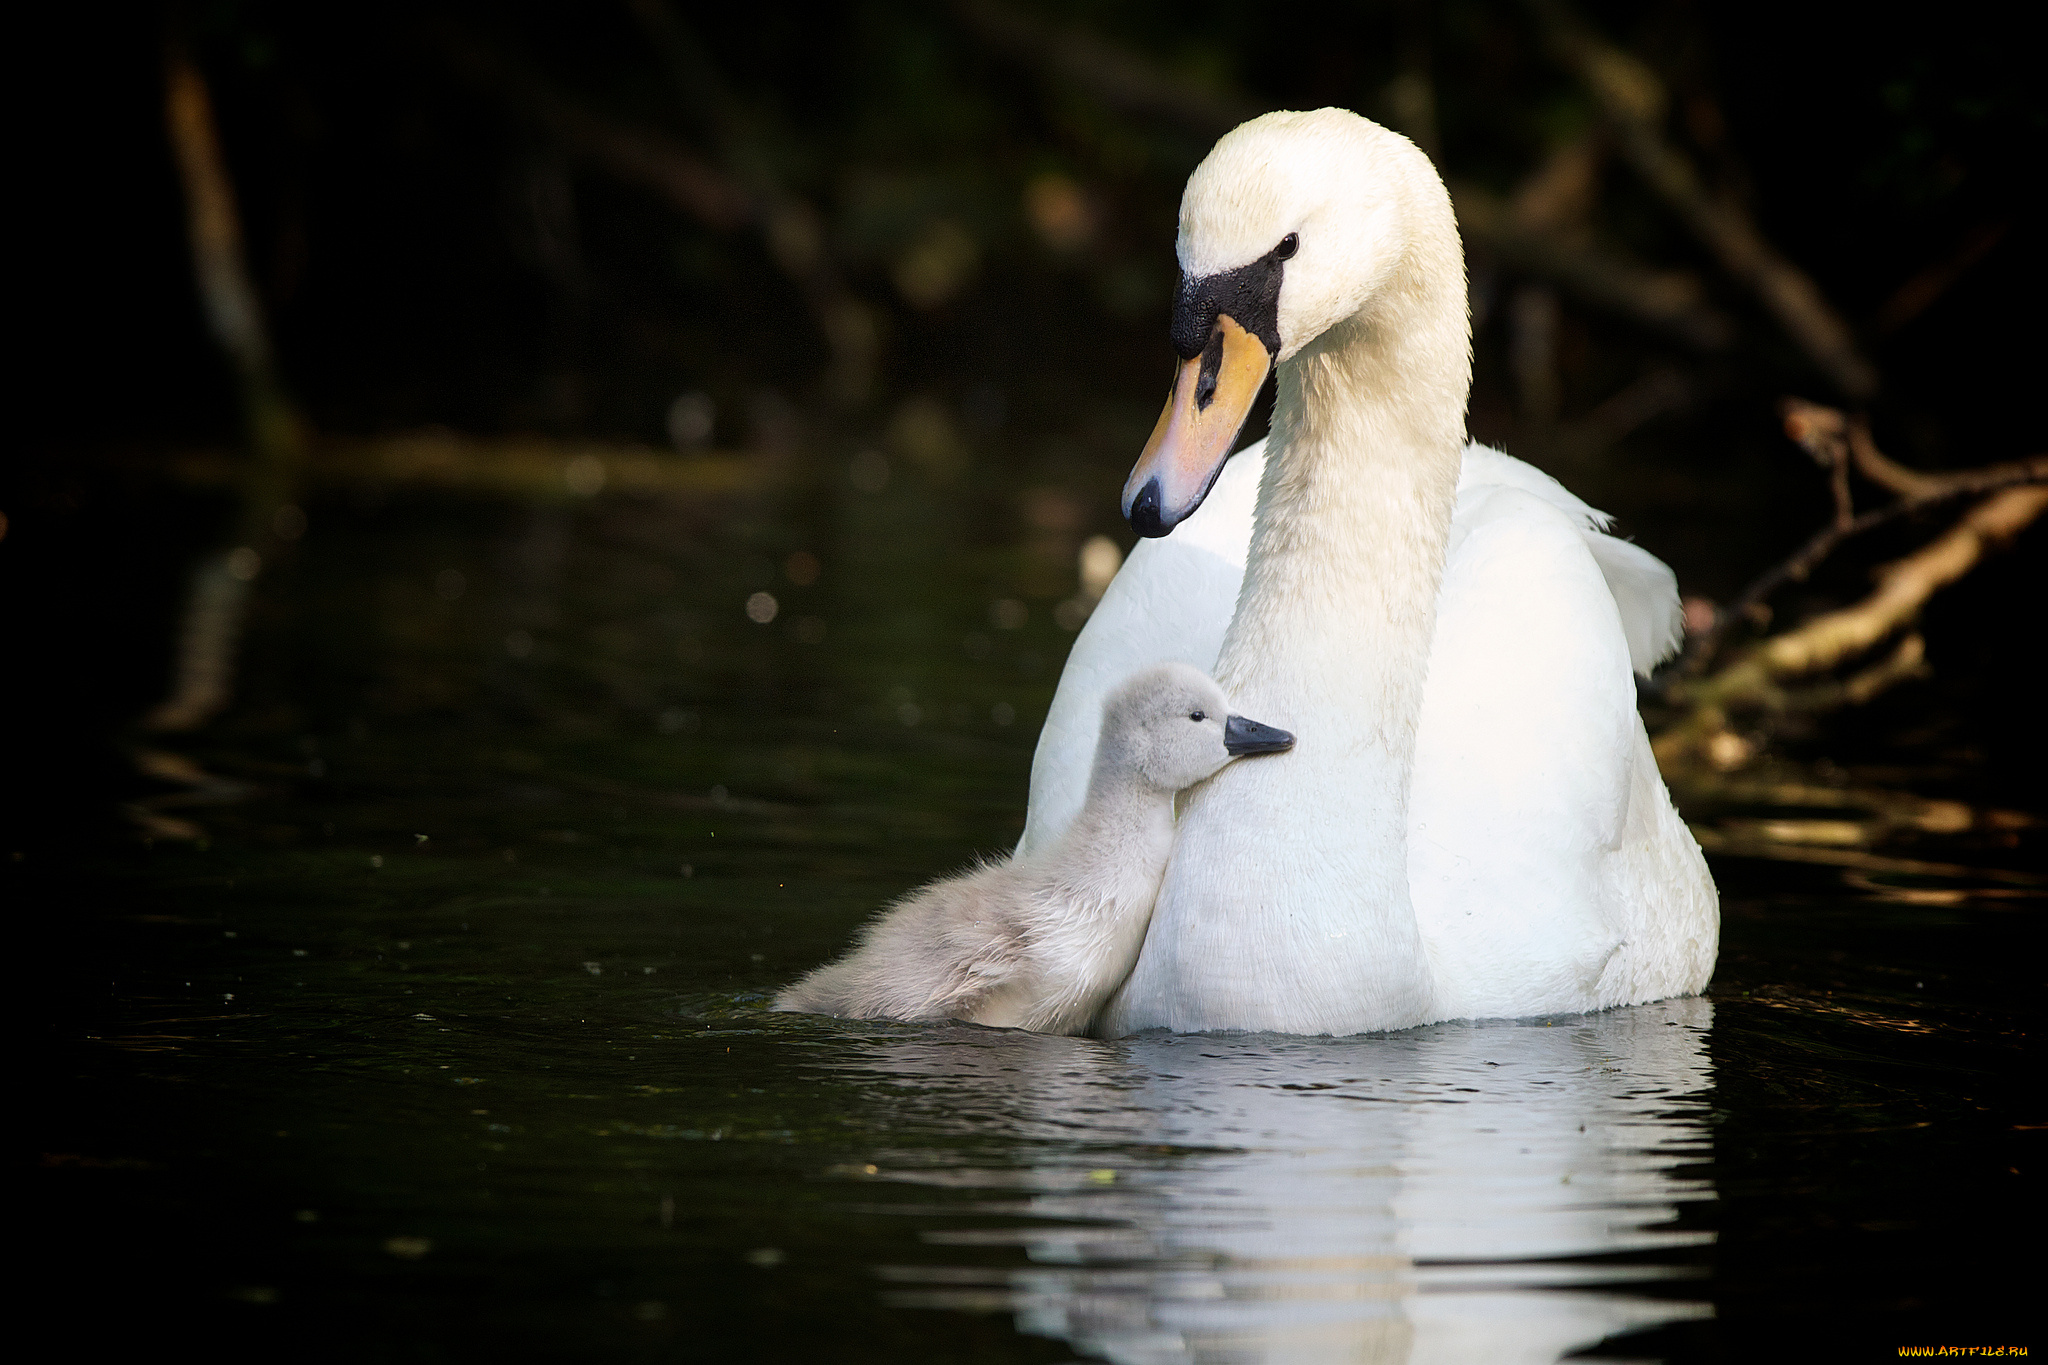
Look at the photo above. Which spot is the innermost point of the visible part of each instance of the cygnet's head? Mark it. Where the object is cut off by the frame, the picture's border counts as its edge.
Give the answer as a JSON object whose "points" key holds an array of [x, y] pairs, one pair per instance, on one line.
{"points": [[1171, 727], [1292, 224]]}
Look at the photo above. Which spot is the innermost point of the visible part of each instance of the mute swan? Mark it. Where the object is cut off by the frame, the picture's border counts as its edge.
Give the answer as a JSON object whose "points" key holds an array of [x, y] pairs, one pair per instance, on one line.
{"points": [[1039, 942], [1476, 826]]}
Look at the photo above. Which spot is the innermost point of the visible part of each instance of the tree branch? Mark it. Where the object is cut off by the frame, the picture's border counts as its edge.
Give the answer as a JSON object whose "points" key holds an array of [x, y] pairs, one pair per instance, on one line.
{"points": [[1634, 101], [795, 230], [1118, 77], [1832, 438], [1666, 301], [638, 156], [1904, 586], [268, 476], [700, 190], [1757, 680]]}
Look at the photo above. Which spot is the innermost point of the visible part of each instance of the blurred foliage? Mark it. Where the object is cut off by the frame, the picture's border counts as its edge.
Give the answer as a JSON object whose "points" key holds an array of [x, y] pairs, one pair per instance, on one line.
{"points": [[434, 250], [449, 226]]}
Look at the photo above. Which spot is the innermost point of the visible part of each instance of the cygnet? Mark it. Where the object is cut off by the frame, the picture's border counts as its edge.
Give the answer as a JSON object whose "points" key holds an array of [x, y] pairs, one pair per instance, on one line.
{"points": [[1040, 941]]}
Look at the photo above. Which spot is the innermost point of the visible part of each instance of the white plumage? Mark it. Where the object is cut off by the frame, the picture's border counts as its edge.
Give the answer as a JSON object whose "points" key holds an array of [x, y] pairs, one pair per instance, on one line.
{"points": [[1473, 824]]}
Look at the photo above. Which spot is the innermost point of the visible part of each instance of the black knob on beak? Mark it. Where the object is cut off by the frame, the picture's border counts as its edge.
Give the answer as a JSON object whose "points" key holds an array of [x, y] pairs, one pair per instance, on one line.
{"points": [[1146, 518]]}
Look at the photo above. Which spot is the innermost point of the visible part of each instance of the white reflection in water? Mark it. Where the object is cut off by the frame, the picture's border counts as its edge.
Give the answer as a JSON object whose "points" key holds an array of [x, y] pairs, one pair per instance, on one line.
{"points": [[1261, 1198]]}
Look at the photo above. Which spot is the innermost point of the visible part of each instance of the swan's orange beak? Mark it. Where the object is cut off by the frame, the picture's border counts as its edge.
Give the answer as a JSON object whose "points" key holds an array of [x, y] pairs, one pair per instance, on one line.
{"points": [[1212, 395]]}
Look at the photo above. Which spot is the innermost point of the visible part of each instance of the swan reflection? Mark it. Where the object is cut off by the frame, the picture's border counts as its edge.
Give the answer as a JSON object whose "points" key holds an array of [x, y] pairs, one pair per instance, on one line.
{"points": [[1255, 1197]]}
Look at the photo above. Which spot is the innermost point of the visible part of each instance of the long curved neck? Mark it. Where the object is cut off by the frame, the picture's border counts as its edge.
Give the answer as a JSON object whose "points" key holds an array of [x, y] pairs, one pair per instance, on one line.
{"points": [[1336, 616], [1353, 515], [1355, 507]]}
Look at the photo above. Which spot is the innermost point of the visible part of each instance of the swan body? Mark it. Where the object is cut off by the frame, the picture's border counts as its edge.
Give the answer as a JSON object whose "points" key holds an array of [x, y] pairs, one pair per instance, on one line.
{"points": [[1040, 940], [1474, 825]]}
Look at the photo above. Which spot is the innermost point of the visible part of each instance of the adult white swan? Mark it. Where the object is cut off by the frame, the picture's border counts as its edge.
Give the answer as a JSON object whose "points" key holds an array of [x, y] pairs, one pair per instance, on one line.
{"points": [[1472, 824]]}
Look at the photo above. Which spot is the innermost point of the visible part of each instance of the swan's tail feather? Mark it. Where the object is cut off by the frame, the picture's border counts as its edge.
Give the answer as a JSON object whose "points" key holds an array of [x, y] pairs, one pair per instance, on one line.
{"points": [[1646, 591]]}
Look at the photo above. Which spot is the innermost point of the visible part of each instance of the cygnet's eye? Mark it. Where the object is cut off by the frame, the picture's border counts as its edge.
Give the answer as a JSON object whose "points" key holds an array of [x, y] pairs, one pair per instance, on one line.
{"points": [[1289, 244], [1198, 716]]}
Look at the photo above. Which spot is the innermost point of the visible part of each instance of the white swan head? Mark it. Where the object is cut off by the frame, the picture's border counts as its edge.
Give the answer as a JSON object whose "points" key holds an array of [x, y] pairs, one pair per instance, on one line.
{"points": [[1294, 223], [1329, 179], [1169, 727]]}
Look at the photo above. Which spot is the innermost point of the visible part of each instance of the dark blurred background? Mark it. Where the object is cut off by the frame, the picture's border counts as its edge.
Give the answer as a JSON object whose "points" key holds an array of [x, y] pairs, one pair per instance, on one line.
{"points": [[946, 230], [659, 524]]}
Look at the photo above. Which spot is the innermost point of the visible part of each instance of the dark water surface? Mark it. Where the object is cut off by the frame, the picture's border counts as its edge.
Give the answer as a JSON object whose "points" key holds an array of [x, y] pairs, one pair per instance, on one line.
{"points": [[450, 1042]]}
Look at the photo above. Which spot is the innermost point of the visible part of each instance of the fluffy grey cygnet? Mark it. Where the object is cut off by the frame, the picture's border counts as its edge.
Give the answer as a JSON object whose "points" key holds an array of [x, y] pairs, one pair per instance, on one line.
{"points": [[1041, 940]]}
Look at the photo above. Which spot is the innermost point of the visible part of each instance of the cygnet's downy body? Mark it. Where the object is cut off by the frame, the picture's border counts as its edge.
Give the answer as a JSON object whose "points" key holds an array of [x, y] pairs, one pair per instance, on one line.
{"points": [[1040, 941]]}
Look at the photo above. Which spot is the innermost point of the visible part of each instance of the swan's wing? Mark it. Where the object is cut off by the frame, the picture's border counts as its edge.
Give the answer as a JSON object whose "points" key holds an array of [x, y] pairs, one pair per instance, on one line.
{"points": [[1484, 465], [1171, 600], [1645, 590], [937, 953], [1524, 761]]}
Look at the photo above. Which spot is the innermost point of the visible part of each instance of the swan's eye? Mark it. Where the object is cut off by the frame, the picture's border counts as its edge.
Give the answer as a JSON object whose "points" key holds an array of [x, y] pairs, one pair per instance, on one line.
{"points": [[1289, 244], [1198, 716]]}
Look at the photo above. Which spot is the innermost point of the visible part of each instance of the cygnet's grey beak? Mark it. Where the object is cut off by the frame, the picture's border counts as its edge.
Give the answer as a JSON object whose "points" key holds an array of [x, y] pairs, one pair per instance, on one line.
{"points": [[1242, 736]]}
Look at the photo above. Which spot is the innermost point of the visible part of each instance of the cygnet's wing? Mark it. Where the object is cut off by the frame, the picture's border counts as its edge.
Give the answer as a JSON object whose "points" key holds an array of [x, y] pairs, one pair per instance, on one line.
{"points": [[1172, 600], [992, 965], [1645, 590], [933, 955]]}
